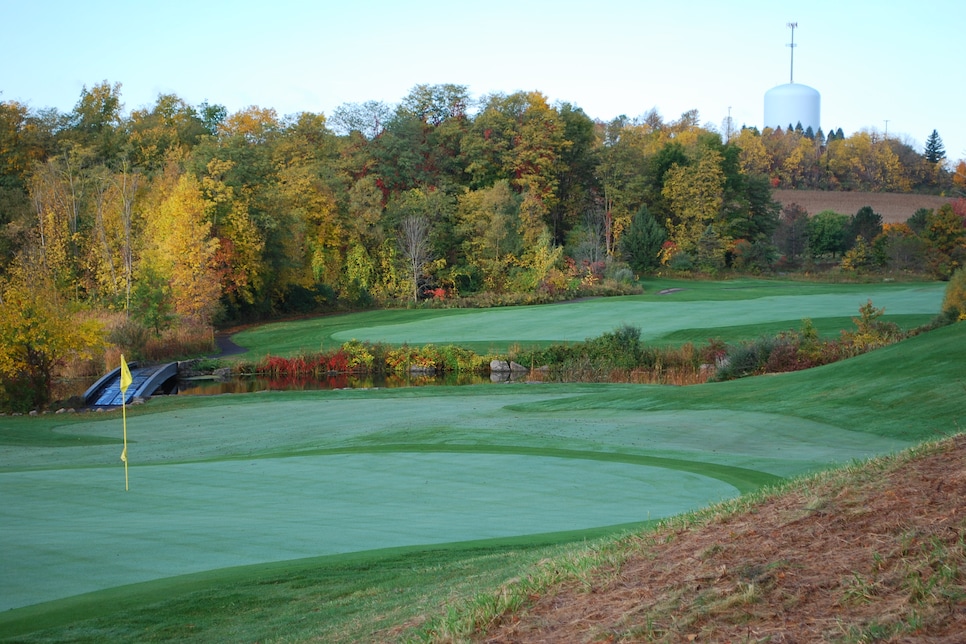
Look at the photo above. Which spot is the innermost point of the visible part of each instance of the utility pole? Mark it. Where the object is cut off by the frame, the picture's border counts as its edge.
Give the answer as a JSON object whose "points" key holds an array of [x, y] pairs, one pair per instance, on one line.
{"points": [[791, 71]]}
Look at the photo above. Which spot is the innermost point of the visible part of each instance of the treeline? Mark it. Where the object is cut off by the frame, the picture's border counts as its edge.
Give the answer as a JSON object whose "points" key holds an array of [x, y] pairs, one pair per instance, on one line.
{"points": [[235, 216], [181, 216]]}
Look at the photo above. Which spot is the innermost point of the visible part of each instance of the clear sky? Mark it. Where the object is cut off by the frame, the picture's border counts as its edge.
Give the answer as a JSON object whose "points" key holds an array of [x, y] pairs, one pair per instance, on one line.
{"points": [[892, 66]]}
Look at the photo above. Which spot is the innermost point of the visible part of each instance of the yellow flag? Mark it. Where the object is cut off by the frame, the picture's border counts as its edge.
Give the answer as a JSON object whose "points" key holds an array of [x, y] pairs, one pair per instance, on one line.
{"points": [[125, 376]]}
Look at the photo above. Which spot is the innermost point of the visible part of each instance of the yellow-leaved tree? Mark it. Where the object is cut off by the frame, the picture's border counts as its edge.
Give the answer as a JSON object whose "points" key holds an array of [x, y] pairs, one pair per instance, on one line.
{"points": [[695, 193], [39, 332], [180, 248]]}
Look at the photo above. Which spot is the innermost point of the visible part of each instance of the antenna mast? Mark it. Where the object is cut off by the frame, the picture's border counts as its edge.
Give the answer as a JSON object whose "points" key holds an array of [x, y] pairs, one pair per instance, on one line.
{"points": [[791, 72]]}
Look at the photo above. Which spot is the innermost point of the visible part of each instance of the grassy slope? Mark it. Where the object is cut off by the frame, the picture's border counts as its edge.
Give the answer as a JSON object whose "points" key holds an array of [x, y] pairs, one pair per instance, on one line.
{"points": [[912, 391]]}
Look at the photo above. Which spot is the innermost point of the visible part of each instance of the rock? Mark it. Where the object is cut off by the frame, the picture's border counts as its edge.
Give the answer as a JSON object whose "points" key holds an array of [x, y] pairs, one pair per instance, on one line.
{"points": [[499, 366], [223, 374], [61, 411], [506, 366]]}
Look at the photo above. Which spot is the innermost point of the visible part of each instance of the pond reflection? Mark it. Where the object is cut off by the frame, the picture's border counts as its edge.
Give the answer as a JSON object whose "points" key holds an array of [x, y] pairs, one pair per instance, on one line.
{"points": [[252, 384]]}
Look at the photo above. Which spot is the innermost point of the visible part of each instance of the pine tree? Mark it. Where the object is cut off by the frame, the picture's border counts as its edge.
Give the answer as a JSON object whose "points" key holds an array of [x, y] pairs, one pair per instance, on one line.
{"points": [[935, 151], [642, 242]]}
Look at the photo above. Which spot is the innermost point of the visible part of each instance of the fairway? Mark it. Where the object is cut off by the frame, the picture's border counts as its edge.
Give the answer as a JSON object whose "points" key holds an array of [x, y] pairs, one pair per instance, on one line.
{"points": [[667, 312], [580, 320]]}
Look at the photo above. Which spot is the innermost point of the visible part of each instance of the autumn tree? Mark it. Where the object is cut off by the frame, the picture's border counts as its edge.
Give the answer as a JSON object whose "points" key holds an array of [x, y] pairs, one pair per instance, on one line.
{"points": [[899, 248], [577, 183], [169, 129], [368, 118], [24, 142], [626, 149], [519, 138], [181, 249], [945, 235], [39, 332], [695, 196], [96, 121], [487, 225]]}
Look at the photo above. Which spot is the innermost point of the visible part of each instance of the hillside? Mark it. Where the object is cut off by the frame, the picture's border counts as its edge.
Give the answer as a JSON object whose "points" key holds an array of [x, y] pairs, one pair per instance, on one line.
{"points": [[894, 208], [876, 553]]}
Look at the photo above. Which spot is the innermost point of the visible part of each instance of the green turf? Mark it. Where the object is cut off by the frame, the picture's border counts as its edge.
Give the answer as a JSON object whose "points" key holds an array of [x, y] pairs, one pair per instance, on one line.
{"points": [[248, 494], [739, 307]]}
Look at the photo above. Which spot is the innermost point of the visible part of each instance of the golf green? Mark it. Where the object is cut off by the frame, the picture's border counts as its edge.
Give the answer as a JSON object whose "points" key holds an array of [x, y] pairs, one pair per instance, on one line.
{"points": [[75, 531]]}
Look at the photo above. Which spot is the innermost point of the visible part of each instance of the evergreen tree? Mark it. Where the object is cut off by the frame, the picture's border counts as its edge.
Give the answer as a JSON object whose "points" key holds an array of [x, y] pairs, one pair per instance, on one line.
{"points": [[839, 134], [642, 242], [866, 223], [935, 151], [810, 133]]}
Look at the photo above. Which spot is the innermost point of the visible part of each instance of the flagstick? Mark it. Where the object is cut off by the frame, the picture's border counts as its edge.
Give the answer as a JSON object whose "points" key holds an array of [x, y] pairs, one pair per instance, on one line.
{"points": [[124, 382], [124, 453]]}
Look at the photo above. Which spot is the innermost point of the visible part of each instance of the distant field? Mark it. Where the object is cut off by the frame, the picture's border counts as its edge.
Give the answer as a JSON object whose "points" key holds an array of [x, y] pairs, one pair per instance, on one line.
{"points": [[894, 208]]}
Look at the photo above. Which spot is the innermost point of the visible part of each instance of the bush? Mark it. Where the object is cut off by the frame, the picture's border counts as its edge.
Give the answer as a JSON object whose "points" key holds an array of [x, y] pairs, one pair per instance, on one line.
{"points": [[954, 301], [871, 332], [681, 262], [746, 359]]}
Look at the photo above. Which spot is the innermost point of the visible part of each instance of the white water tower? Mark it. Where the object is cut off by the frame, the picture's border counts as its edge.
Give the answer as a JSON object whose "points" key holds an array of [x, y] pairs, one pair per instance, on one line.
{"points": [[792, 103]]}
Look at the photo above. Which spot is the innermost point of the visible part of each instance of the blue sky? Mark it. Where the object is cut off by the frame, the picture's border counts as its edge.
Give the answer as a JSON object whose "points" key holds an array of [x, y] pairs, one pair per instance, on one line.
{"points": [[872, 61]]}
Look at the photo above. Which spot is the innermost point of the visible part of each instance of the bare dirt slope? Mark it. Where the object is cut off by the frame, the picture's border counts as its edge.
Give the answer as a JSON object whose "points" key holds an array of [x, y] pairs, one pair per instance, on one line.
{"points": [[870, 554], [894, 208]]}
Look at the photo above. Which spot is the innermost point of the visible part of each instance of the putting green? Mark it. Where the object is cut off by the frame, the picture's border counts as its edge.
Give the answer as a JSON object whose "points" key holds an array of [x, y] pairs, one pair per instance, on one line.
{"points": [[577, 321], [72, 531], [253, 479]]}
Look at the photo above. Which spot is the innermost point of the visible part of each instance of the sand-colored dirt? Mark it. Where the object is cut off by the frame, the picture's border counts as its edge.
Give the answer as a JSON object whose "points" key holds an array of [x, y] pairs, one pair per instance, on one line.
{"points": [[875, 557], [894, 208]]}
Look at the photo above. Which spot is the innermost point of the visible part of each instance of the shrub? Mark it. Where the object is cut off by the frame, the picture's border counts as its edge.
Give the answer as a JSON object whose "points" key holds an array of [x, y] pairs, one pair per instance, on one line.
{"points": [[746, 359], [954, 301], [681, 262], [871, 332], [358, 356]]}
